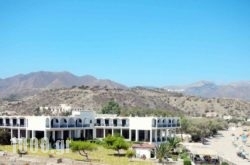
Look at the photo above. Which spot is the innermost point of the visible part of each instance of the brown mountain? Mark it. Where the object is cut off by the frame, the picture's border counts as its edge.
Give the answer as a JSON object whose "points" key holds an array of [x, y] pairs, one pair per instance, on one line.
{"points": [[28, 84], [129, 99]]}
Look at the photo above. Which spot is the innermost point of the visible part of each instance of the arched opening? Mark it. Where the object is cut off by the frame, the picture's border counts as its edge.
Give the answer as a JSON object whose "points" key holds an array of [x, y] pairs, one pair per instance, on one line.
{"points": [[71, 122], [159, 123], [169, 122], [164, 123], [14, 121], [79, 122], [107, 122], [173, 123], [98, 122], [125, 122], [7, 121], [115, 122], [54, 123], [63, 123], [22, 122]]}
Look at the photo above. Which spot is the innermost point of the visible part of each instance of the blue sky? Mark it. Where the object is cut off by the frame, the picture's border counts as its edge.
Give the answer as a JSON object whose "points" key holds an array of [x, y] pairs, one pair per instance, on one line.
{"points": [[137, 42]]}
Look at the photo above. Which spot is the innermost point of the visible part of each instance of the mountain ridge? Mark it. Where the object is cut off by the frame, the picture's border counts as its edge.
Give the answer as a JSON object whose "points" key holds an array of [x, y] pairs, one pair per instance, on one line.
{"points": [[208, 89], [31, 83]]}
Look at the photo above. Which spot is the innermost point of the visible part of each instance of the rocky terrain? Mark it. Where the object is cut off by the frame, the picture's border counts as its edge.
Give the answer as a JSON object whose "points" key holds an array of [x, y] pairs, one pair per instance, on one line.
{"points": [[94, 98], [206, 89], [23, 94]]}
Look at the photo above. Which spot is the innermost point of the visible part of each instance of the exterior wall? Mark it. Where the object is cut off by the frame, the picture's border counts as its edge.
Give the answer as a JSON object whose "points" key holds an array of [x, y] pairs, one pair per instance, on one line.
{"points": [[139, 152], [36, 123], [88, 124], [142, 123]]}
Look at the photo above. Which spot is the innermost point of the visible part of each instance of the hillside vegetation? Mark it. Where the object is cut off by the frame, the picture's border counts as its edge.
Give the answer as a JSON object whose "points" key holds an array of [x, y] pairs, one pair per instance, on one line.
{"points": [[129, 99]]}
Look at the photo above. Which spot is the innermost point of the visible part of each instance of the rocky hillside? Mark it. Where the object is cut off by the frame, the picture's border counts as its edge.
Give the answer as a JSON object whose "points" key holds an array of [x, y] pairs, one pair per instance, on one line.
{"points": [[32, 83], [94, 98], [206, 89]]}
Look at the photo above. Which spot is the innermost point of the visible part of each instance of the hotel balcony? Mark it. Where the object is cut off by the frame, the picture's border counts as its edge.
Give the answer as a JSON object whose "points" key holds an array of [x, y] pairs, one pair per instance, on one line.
{"points": [[68, 123]]}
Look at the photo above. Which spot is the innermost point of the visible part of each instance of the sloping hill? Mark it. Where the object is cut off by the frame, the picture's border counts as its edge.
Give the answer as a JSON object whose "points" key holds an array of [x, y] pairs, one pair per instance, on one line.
{"points": [[144, 98], [29, 84]]}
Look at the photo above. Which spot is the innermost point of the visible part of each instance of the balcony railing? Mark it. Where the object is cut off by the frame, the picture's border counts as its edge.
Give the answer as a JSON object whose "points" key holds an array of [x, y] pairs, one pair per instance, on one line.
{"points": [[166, 125], [63, 126], [71, 125], [111, 125], [68, 126], [13, 125]]}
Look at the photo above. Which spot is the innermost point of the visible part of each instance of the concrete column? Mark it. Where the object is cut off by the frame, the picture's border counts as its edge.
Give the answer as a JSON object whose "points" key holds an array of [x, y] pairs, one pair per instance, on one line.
{"points": [[169, 132], [104, 133], [145, 135], [53, 135], [45, 134], [161, 133], [84, 133], [165, 134], [94, 133], [62, 134], [151, 134], [156, 135], [27, 134], [11, 133], [129, 135], [136, 135], [70, 131], [33, 134], [112, 132], [18, 133], [121, 131]]}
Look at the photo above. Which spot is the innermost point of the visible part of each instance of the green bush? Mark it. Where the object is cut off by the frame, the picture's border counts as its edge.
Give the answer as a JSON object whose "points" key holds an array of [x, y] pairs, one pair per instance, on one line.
{"points": [[184, 155], [224, 163], [187, 162], [4, 137], [130, 153]]}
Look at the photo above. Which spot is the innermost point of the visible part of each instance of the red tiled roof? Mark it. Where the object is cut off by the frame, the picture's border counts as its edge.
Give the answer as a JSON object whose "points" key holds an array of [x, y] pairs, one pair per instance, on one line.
{"points": [[143, 145]]}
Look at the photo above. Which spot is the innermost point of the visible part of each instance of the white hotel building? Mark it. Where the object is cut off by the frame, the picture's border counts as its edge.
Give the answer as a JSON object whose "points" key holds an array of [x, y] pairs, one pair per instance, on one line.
{"points": [[89, 125]]}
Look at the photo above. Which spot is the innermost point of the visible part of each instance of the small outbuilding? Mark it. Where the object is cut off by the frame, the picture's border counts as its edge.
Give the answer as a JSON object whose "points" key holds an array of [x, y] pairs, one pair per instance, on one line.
{"points": [[144, 150]]}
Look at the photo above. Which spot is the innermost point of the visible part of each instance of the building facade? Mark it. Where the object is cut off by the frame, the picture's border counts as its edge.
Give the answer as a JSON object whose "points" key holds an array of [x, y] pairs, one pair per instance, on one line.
{"points": [[89, 125]]}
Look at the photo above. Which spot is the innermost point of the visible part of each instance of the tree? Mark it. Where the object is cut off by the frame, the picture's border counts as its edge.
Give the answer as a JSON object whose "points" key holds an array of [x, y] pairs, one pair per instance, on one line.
{"points": [[161, 151], [82, 147], [109, 141], [130, 153], [4, 137], [111, 107], [184, 126], [173, 143], [116, 143], [119, 144]]}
